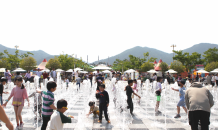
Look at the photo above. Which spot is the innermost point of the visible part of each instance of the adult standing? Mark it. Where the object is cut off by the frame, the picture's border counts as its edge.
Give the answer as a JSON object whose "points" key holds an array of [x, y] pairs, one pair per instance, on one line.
{"points": [[45, 76], [90, 78], [77, 74], [199, 100], [38, 73], [28, 76], [216, 79], [197, 77], [73, 75], [54, 74], [154, 77], [213, 80], [6, 74], [208, 78]]}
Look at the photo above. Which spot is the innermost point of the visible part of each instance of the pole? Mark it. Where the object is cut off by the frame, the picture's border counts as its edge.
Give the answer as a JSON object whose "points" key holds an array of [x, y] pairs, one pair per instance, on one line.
{"points": [[173, 49]]}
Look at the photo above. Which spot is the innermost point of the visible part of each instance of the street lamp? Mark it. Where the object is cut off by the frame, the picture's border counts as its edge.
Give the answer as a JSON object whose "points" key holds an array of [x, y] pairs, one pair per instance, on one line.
{"points": [[173, 49]]}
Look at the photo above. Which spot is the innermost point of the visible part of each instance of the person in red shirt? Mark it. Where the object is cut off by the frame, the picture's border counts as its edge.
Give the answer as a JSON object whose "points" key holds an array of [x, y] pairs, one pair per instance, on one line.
{"points": [[45, 76]]}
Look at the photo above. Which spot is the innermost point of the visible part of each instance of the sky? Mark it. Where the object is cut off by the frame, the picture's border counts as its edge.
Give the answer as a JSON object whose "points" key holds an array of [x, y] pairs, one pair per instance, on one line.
{"points": [[106, 27]]}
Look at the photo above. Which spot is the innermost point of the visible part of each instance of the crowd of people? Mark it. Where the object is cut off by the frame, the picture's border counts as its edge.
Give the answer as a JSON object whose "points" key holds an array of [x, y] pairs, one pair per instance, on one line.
{"points": [[196, 101]]}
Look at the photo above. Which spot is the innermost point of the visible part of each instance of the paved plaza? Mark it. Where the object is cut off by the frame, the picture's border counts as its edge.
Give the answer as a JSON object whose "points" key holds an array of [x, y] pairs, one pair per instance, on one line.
{"points": [[144, 117]]}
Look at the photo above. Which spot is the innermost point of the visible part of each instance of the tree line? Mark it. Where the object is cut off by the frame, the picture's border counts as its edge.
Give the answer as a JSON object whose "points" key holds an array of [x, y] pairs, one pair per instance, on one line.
{"points": [[183, 61], [27, 62]]}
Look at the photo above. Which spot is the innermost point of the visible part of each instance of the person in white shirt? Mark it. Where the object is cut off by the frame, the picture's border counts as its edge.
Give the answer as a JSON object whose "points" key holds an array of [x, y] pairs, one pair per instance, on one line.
{"points": [[38, 73], [154, 77], [213, 80], [58, 119], [54, 75], [76, 74], [158, 90]]}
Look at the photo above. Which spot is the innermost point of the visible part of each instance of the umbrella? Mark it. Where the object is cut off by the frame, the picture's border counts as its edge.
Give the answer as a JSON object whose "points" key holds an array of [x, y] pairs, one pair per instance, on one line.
{"points": [[101, 67], [19, 70], [152, 71], [70, 70], [130, 71], [59, 70], [214, 71], [171, 71], [2, 69], [202, 71], [106, 71]]}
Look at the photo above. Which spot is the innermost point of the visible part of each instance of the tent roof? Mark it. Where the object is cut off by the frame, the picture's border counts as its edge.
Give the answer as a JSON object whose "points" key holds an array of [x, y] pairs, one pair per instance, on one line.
{"points": [[155, 62], [160, 61], [44, 60], [42, 65]]}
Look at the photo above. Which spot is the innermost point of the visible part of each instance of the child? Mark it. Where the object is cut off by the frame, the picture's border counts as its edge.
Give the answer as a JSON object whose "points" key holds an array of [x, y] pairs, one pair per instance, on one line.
{"points": [[19, 93], [158, 94], [35, 105], [181, 102], [66, 81], [93, 109], [129, 93], [103, 102], [3, 82], [48, 103], [58, 118], [78, 81], [135, 86]]}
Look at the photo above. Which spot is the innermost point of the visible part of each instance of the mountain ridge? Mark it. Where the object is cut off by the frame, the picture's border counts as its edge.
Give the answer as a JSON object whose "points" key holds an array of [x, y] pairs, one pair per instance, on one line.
{"points": [[137, 51], [166, 57]]}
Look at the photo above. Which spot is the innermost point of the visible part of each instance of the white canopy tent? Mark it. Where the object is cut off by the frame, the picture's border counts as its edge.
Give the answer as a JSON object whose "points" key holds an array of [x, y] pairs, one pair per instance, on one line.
{"points": [[77, 69], [2, 69], [171, 71], [101, 67], [202, 71], [70, 70], [214, 71], [84, 72], [152, 71], [19, 70], [107, 71], [59, 70], [94, 72], [130, 71]]}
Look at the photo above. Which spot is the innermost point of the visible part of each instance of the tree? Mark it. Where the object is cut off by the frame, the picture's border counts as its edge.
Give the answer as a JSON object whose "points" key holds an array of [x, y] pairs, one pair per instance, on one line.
{"points": [[211, 66], [66, 61], [189, 61], [53, 63], [164, 67], [177, 66], [4, 63], [133, 62], [147, 66], [180, 56], [1, 55], [28, 63], [15, 60], [211, 55]]}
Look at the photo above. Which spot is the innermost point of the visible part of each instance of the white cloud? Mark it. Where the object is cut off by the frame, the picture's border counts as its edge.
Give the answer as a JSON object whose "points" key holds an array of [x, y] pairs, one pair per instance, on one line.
{"points": [[106, 28]]}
